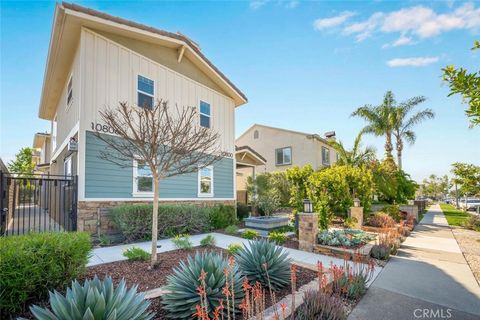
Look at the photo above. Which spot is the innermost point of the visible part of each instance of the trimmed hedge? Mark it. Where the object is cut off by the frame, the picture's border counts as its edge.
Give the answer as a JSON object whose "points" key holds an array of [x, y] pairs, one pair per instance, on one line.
{"points": [[33, 264], [135, 220]]}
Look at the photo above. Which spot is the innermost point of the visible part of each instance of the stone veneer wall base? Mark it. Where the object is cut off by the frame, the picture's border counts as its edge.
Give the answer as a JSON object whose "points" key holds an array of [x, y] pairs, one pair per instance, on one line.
{"points": [[92, 216]]}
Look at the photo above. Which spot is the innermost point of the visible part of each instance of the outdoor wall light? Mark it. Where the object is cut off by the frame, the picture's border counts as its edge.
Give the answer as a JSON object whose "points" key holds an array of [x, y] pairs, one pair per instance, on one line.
{"points": [[307, 206], [356, 202]]}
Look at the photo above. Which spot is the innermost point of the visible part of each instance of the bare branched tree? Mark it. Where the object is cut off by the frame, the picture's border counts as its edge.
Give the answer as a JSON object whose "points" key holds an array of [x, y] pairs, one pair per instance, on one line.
{"points": [[169, 140]]}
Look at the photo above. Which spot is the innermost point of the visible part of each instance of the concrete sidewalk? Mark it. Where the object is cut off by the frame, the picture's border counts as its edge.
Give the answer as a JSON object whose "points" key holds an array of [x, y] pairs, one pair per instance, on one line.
{"points": [[111, 254], [428, 279]]}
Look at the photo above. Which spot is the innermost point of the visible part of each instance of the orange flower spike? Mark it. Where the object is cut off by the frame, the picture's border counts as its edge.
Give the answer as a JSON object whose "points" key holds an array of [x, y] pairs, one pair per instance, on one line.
{"points": [[231, 262], [199, 313], [201, 290], [226, 292], [246, 286], [283, 306], [225, 271], [203, 275]]}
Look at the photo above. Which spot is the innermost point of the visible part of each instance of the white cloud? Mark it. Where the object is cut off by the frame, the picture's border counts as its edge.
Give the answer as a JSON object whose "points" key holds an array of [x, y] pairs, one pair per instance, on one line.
{"points": [[414, 22], [412, 62], [255, 4], [325, 23], [292, 4]]}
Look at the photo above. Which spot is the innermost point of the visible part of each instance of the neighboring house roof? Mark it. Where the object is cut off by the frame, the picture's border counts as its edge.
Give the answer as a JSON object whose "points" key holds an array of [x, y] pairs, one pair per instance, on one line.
{"points": [[307, 135], [251, 151], [39, 139], [3, 167], [68, 20]]}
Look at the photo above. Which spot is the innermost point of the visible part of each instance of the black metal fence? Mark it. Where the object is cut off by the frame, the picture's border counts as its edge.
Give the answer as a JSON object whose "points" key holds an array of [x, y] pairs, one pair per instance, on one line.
{"points": [[37, 203]]}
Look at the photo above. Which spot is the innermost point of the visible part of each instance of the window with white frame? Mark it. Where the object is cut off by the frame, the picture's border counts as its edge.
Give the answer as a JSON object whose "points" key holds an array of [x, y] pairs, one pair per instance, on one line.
{"points": [[70, 91], [67, 166], [142, 178], [325, 156], [205, 182], [145, 92], [283, 156], [205, 114]]}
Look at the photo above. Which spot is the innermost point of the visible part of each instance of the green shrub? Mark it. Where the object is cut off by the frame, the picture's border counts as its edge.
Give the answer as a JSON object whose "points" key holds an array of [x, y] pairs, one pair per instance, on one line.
{"points": [[96, 300], [344, 238], [243, 211], [320, 306], [265, 262], [222, 216], [32, 264], [182, 298], [208, 241], [135, 220], [380, 251], [182, 241], [473, 223], [250, 234], [231, 230], [393, 211], [277, 237], [350, 222], [136, 254], [234, 248]]}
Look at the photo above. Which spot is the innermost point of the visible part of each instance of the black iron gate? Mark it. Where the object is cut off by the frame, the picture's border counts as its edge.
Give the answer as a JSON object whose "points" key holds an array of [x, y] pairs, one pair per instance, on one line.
{"points": [[37, 203]]}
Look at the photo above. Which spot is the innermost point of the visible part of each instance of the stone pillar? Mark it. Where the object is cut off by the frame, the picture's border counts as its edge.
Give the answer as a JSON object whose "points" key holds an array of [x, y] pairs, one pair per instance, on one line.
{"points": [[357, 213], [307, 230]]}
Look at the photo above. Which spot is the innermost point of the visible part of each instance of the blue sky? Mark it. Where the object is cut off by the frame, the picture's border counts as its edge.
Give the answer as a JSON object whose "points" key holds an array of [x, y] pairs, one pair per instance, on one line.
{"points": [[303, 65]]}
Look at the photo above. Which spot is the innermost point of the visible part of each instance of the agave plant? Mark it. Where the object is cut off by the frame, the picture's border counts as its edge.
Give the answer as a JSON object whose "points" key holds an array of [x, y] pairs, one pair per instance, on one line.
{"points": [[321, 306], [183, 298], [95, 300], [266, 263]]}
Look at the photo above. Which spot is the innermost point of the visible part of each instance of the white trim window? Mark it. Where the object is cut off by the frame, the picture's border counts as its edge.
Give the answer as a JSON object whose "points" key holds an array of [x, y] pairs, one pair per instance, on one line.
{"points": [[67, 166], [205, 115], [70, 91], [142, 179], [145, 92], [325, 156], [205, 181], [283, 156]]}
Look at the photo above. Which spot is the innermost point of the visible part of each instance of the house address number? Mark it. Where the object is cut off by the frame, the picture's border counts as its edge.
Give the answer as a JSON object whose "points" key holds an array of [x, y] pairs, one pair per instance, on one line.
{"points": [[102, 128]]}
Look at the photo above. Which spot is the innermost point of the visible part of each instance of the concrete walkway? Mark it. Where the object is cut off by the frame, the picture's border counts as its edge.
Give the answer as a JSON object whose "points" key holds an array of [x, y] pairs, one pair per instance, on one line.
{"points": [[428, 279], [111, 254]]}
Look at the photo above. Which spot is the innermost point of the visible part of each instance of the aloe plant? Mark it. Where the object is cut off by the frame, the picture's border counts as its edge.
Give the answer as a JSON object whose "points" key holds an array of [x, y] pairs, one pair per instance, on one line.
{"points": [[95, 300], [182, 298], [263, 261]]}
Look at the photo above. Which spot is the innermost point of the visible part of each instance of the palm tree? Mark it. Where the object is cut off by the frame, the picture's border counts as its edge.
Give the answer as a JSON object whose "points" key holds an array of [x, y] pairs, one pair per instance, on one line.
{"points": [[356, 156], [403, 123], [380, 120]]}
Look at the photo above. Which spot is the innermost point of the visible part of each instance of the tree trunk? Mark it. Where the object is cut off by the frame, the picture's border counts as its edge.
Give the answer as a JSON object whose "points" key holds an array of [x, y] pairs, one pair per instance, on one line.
{"points": [[399, 154], [388, 145], [156, 195]]}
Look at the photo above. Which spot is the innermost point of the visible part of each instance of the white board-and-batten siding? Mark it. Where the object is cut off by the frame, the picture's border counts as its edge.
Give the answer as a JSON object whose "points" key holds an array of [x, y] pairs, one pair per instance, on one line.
{"points": [[110, 73]]}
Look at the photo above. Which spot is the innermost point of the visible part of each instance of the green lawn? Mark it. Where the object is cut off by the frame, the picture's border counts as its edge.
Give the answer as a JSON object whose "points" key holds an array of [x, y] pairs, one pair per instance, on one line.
{"points": [[454, 216]]}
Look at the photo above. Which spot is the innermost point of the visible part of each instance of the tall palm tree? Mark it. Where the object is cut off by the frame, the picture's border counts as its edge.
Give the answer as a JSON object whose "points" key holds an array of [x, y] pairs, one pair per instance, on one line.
{"points": [[380, 120], [404, 123], [356, 156]]}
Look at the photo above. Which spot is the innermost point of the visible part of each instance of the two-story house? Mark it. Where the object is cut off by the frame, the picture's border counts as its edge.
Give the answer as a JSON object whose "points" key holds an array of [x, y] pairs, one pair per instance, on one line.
{"points": [[283, 148], [95, 61]]}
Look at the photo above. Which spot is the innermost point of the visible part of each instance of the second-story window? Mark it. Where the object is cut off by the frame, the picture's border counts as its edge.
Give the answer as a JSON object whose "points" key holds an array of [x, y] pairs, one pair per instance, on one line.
{"points": [[145, 92], [283, 156], [325, 156], [70, 91], [205, 115]]}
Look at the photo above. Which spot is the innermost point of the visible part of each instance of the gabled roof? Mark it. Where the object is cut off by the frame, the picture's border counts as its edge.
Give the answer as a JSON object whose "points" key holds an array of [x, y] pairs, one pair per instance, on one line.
{"points": [[253, 153], [307, 135], [70, 18]]}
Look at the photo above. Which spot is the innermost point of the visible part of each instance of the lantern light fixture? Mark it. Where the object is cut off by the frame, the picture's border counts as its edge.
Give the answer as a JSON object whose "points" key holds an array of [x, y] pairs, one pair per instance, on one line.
{"points": [[307, 205]]}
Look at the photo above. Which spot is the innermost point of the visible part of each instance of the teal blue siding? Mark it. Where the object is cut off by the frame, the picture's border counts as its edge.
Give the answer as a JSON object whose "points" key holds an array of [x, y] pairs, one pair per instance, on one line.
{"points": [[104, 179]]}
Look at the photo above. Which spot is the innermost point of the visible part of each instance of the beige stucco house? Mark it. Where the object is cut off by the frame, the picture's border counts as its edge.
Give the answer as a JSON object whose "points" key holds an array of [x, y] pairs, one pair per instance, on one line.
{"points": [[283, 148]]}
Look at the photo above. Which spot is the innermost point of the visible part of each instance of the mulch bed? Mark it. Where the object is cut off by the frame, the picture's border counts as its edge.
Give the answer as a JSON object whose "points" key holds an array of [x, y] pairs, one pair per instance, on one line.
{"points": [[304, 276], [137, 272]]}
